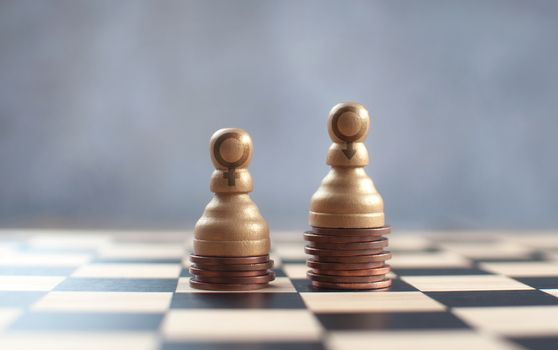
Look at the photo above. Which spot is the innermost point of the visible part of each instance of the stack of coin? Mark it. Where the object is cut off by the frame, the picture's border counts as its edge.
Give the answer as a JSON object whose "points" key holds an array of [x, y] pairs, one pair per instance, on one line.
{"points": [[348, 258], [231, 273]]}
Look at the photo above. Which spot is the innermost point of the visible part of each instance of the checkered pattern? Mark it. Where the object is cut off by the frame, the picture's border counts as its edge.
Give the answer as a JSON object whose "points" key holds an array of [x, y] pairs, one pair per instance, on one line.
{"points": [[103, 290]]}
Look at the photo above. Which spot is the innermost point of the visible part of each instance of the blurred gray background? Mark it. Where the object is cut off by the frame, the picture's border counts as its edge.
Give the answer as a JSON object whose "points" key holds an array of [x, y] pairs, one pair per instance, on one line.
{"points": [[106, 107]]}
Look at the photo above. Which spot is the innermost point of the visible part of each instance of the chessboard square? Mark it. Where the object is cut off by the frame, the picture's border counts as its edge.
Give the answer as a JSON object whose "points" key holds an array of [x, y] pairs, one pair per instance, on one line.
{"points": [[295, 270], [537, 343], [523, 269], [553, 292], [489, 250], [512, 321], [279, 285], [29, 283], [35, 271], [19, 298], [450, 271], [104, 302], [305, 286], [72, 240], [347, 302], [7, 316], [87, 322], [296, 345], [384, 321], [140, 251], [428, 260], [240, 325], [77, 284], [81, 341], [464, 283], [237, 301], [129, 271], [404, 340], [493, 298], [44, 259], [540, 282]]}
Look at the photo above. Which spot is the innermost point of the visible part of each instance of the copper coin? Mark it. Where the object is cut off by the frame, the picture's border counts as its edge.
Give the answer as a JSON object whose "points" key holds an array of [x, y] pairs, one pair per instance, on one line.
{"points": [[245, 267], [379, 244], [208, 273], [312, 237], [225, 287], [344, 279], [345, 267], [215, 260], [237, 280], [331, 252], [383, 256], [352, 231], [364, 272], [370, 285]]}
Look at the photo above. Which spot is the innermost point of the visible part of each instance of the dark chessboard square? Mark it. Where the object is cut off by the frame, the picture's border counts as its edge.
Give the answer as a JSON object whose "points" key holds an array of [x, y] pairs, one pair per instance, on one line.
{"points": [[293, 261], [493, 298], [390, 321], [244, 346], [237, 301], [90, 322], [117, 285], [19, 299], [36, 271], [540, 282], [440, 271], [304, 286], [185, 272], [279, 272], [537, 343]]}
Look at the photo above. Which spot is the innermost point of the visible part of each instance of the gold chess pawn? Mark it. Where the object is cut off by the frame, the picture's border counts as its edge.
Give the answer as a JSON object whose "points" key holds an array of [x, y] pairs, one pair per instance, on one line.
{"points": [[347, 197], [231, 225]]}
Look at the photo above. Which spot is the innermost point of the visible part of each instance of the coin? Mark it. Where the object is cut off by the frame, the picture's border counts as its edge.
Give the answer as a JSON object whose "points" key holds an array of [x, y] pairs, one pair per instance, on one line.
{"points": [[352, 231], [237, 280], [225, 286], [208, 273], [214, 260], [312, 237], [344, 279], [364, 272], [383, 256], [379, 244], [330, 252], [370, 285], [245, 267], [343, 267]]}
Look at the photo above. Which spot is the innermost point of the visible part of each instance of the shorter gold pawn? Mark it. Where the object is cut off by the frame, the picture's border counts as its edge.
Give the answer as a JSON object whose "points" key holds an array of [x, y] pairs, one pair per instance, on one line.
{"points": [[347, 197], [231, 225]]}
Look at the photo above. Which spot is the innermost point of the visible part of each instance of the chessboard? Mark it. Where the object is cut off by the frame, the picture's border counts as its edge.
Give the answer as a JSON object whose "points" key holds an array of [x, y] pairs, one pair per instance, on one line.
{"points": [[129, 290]]}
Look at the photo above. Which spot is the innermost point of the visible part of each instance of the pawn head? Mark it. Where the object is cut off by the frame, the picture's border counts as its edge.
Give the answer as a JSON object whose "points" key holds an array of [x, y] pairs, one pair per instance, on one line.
{"points": [[230, 148], [348, 122]]}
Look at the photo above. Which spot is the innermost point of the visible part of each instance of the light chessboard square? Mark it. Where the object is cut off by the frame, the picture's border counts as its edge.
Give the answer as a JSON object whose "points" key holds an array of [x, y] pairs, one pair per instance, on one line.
{"points": [[489, 250], [428, 260], [523, 269], [519, 321], [44, 259], [104, 302], [7, 316], [431, 340], [81, 341], [279, 285], [142, 251], [295, 271], [464, 283], [29, 283], [347, 302], [240, 325], [128, 270]]}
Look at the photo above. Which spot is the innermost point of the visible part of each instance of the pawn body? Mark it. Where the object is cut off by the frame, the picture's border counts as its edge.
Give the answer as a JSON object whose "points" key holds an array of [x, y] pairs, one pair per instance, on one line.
{"points": [[231, 224], [347, 197]]}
